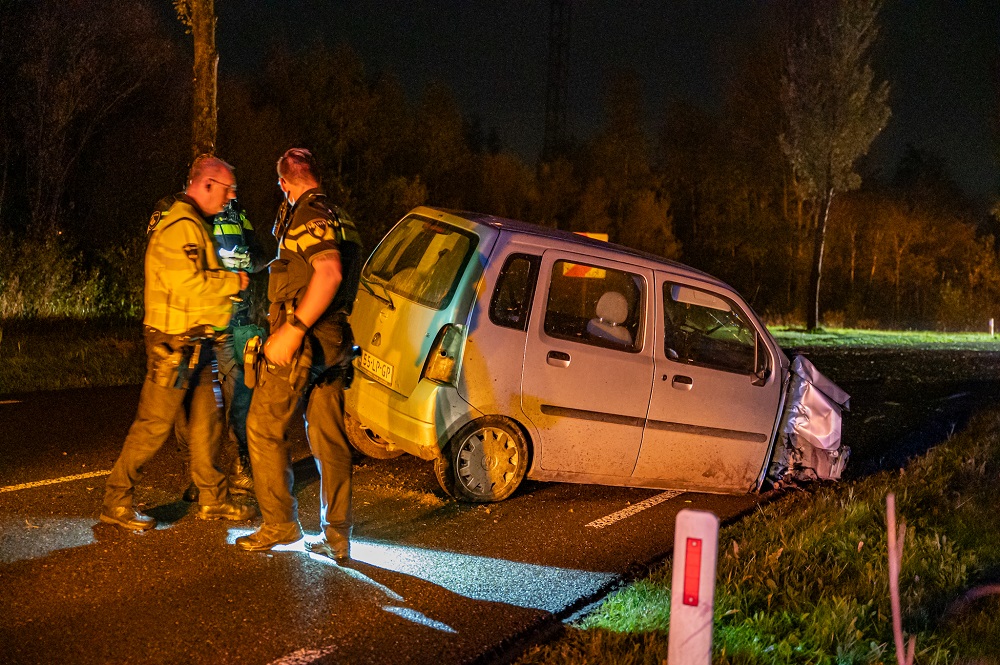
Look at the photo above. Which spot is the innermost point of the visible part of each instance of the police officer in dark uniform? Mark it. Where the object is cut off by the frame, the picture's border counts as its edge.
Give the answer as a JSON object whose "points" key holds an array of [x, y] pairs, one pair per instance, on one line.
{"points": [[306, 360]]}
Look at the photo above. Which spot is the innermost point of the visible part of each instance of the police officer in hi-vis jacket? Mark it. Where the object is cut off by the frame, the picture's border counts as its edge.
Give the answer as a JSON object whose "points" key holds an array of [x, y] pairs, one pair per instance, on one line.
{"points": [[187, 298], [238, 251]]}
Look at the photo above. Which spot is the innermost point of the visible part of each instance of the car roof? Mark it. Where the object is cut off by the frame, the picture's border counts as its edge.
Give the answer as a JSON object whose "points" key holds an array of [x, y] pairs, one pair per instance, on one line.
{"points": [[527, 228]]}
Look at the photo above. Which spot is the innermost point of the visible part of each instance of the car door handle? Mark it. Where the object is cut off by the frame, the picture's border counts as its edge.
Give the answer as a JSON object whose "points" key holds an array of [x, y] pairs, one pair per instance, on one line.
{"points": [[557, 359], [681, 382]]}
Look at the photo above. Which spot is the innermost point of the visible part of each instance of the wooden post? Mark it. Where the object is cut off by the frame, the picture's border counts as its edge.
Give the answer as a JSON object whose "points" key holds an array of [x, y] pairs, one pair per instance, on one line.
{"points": [[904, 655]]}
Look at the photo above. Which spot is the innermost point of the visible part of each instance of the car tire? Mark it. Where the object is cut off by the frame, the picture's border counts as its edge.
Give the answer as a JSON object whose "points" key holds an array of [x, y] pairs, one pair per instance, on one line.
{"points": [[485, 461], [368, 442]]}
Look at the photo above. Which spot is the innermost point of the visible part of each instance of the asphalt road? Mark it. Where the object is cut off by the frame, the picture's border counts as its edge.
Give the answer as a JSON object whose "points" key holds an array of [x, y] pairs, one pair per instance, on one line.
{"points": [[434, 581]]}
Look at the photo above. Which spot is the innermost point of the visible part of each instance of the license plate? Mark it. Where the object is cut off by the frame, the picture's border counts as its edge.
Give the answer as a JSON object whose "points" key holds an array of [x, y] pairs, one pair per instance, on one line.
{"points": [[380, 369]]}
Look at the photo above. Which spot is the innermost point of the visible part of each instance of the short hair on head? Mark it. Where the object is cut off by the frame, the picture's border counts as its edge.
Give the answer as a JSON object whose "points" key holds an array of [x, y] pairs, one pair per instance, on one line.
{"points": [[206, 166], [298, 166]]}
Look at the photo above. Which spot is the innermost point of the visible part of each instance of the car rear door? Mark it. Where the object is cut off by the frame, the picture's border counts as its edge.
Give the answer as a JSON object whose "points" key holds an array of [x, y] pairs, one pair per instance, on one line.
{"points": [[710, 417], [585, 389]]}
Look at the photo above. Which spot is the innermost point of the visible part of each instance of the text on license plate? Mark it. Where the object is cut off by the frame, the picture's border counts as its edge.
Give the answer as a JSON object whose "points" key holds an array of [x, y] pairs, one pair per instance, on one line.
{"points": [[380, 369]]}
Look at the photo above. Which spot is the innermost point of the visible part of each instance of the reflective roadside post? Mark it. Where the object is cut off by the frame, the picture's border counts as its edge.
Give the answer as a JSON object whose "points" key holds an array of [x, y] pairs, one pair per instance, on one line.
{"points": [[692, 594]]}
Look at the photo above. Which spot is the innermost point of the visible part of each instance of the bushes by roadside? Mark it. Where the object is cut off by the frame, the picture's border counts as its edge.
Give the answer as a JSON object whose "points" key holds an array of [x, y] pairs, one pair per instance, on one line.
{"points": [[66, 353], [805, 579], [44, 278]]}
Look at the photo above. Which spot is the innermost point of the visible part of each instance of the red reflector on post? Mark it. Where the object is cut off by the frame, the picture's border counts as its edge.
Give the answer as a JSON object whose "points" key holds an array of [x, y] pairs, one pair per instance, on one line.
{"points": [[692, 571], [692, 588]]}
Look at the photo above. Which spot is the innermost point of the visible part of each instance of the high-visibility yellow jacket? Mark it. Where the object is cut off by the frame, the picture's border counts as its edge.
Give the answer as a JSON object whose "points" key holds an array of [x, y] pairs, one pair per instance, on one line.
{"points": [[186, 285]]}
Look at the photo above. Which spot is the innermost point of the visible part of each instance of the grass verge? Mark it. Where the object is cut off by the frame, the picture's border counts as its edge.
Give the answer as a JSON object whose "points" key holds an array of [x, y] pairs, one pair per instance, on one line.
{"points": [[51, 355], [883, 339], [55, 354], [805, 578]]}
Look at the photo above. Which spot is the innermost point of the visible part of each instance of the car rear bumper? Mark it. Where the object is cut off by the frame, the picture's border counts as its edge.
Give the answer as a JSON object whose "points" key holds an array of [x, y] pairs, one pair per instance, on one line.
{"points": [[420, 424]]}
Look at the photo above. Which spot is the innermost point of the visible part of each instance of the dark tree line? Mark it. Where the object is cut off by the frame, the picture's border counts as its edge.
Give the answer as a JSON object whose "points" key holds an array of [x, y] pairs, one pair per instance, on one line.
{"points": [[96, 126]]}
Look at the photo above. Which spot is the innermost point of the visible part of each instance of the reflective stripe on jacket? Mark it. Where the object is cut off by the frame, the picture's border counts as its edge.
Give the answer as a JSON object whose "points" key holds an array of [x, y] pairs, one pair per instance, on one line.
{"points": [[186, 285], [311, 228], [232, 229]]}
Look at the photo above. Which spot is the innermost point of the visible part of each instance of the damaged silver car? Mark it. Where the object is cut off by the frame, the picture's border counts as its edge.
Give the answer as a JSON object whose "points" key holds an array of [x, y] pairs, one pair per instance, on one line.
{"points": [[501, 350]]}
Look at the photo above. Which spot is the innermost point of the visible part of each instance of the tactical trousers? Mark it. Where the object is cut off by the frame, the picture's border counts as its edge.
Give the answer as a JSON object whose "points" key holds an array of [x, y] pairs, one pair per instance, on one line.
{"points": [[275, 403], [195, 409], [236, 395]]}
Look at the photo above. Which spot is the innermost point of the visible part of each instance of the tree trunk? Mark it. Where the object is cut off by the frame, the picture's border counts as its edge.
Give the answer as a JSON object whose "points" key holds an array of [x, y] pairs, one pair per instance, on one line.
{"points": [[204, 117], [812, 312], [795, 289], [3, 180]]}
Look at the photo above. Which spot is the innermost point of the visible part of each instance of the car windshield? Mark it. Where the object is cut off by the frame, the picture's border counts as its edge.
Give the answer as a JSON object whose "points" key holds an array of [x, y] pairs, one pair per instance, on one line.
{"points": [[421, 260]]}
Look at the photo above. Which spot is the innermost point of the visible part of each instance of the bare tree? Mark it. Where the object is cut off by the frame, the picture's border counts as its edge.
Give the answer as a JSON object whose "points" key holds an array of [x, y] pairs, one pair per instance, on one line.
{"points": [[833, 108], [77, 64], [199, 17]]}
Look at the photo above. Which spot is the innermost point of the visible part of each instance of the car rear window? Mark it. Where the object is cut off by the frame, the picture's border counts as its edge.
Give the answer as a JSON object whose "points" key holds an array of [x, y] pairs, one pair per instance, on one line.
{"points": [[515, 287], [421, 260]]}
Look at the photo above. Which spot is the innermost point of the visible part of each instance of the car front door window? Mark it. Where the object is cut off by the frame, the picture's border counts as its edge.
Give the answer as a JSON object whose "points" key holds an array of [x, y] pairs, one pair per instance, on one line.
{"points": [[708, 330]]}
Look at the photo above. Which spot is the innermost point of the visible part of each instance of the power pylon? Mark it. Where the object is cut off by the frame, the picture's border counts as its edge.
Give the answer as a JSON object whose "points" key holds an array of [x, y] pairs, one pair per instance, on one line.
{"points": [[554, 141]]}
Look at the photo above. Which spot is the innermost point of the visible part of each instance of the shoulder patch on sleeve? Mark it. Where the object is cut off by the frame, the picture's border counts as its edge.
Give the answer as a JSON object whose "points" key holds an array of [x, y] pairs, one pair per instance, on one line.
{"points": [[317, 228], [153, 221]]}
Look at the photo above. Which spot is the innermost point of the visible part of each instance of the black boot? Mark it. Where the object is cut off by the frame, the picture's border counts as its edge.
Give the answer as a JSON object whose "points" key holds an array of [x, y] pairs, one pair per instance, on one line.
{"points": [[240, 476], [191, 493]]}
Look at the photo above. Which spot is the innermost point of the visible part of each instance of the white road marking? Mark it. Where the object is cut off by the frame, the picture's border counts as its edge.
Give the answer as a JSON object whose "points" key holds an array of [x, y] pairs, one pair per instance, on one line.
{"points": [[54, 481], [632, 510], [304, 656], [10, 401]]}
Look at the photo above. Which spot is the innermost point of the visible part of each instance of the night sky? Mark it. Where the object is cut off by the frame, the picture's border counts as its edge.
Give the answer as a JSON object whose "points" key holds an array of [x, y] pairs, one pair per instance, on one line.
{"points": [[942, 60]]}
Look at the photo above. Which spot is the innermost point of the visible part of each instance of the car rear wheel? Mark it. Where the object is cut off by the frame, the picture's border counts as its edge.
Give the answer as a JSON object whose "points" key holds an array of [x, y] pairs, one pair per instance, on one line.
{"points": [[368, 442], [485, 461]]}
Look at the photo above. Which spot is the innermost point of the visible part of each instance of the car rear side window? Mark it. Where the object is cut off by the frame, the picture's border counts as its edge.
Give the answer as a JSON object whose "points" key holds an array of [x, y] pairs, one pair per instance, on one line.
{"points": [[422, 260], [515, 288], [702, 328], [595, 305]]}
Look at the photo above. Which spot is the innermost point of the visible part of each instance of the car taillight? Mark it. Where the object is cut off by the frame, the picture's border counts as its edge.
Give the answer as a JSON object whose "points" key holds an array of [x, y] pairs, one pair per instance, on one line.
{"points": [[442, 360]]}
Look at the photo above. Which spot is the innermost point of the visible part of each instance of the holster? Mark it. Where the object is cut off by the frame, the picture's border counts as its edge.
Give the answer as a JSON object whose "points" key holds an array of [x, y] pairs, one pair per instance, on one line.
{"points": [[340, 355], [169, 366], [330, 341], [343, 370], [256, 365], [253, 361], [174, 362]]}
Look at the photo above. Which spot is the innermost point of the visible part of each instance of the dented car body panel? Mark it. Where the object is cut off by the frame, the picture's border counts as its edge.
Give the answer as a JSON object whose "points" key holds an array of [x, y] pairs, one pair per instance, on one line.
{"points": [[615, 366]]}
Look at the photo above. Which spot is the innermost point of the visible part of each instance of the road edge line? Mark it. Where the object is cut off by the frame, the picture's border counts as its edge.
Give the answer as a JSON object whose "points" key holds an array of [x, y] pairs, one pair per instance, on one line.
{"points": [[54, 481]]}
